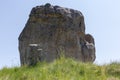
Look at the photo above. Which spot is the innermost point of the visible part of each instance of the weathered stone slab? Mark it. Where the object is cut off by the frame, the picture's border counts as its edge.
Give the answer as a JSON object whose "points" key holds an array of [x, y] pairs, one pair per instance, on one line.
{"points": [[52, 29]]}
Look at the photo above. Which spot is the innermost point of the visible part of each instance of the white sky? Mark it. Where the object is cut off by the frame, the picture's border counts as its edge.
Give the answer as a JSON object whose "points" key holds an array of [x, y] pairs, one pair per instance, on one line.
{"points": [[101, 18]]}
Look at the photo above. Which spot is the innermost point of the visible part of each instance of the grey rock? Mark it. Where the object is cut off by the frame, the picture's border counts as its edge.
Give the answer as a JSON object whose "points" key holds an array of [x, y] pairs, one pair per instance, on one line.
{"points": [[88, 49], [51, 30]]}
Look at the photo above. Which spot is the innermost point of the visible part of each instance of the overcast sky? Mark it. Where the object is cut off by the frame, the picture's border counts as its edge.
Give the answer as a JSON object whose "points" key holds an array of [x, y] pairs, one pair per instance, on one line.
{"points": [[102, 20]]}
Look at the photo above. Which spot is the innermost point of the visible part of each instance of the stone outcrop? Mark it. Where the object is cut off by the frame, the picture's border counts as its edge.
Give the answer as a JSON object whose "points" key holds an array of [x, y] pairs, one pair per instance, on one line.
{"points": [[51, 30]]}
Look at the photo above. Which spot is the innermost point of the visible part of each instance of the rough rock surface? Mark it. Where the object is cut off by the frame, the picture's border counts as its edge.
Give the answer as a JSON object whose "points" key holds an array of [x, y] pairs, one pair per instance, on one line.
{"points": [[53, 30]]}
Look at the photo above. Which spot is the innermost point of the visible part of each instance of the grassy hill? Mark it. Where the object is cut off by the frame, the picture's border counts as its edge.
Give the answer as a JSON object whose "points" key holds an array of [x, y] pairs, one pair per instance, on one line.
{"points": [[63, 69]]}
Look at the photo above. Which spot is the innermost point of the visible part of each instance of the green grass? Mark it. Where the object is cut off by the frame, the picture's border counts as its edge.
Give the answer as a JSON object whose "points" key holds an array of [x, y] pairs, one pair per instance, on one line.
{"points": [[63, 69]]}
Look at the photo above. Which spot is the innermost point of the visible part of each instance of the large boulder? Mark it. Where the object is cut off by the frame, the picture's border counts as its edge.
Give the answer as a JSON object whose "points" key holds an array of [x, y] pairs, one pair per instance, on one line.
{"points": [[53, 30]]}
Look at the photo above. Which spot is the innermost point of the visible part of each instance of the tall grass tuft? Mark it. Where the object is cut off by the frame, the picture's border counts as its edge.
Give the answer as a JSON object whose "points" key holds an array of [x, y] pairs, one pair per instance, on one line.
{"points": [[62, 69]]}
